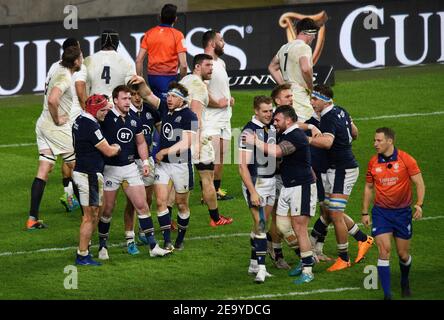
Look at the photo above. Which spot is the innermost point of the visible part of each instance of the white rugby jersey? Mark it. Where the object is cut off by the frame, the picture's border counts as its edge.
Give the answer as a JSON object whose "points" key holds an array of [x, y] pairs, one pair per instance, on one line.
{"points": [[289, 55], [105, 70], [61, 78], [197, 90], [219, 87]]}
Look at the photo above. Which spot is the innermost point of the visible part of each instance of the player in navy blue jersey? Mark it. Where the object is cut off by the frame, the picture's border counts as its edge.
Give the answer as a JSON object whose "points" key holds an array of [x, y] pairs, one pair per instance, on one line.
{"points": [[173, 162], [342, 173], [126, 130], [298, 194], [258, 182], [90, 147], [144, 106]]}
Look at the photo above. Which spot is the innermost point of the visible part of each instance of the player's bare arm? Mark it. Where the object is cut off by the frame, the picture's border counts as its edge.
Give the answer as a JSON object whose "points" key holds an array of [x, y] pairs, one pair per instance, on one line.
{"points": [[244, 159], [107, 149], [53, 106], [275, 71], [142, 149], [139, 61], [324, 141], [183, 66], [307, 72]]}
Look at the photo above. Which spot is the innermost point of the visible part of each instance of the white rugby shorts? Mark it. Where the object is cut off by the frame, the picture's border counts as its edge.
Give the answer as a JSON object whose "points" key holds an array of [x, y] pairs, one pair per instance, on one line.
{"points": [[299, 200], [115, 176], [266, 188], [90, 188], [181, 174]]}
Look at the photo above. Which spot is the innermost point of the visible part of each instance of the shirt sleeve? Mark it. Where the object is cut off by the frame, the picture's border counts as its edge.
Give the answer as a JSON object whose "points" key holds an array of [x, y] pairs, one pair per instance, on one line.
{"points": [[95, 135], [199, 92], [180, 43], [82, 75], [411, 164], [139, 128], [144, 43], [328, 126], [62, 81]]}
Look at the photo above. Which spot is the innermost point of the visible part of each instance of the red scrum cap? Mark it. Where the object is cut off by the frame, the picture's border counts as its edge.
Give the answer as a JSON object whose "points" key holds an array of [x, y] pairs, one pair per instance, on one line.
{"points": [[96, 102]]}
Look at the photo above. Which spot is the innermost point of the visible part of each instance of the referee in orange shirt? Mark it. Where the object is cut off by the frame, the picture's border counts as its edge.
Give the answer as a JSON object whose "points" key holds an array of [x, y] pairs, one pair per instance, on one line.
{"points": [[389, 174], [165, 47]]}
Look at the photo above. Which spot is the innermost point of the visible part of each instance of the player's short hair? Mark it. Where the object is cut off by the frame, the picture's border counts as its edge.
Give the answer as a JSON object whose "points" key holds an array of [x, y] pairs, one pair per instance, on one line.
{"points": [[324, 90], [258, 100], [121, 88], [199, 58], [178, 86], [278, 89], [307, 25], [389, 133], [287, 111], [110, 39], [69, 43], [168, 14], [69, 56], [208, 36]]}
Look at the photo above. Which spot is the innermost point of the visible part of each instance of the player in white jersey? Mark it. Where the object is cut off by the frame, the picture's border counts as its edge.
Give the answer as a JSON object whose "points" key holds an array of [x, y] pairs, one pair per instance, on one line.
{"points": [[294, 64], [105, 69], [219, 111], [53, 129], [203, 155], [67, 199]]}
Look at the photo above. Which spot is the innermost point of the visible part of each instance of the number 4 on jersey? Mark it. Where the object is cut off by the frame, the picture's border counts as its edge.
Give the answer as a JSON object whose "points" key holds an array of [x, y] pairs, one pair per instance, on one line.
{"points": [[106, 74]]}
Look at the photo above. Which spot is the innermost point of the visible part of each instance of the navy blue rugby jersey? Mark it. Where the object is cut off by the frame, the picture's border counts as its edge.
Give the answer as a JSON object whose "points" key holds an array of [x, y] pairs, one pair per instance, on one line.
{"points": [[86, 135], [319, 160], [173, 126], [262, 166], [148, 117], [336, 121], [295, 168], [123, 131]]}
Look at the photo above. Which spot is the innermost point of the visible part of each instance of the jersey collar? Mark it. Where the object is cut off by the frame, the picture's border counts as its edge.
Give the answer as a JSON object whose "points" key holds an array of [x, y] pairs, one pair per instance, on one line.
{"points": [[293, 127], [393, 157], [132, 107], [88, 115], [165, 25], [117, 112], [257, 122], [327, 110], [178, 109]]}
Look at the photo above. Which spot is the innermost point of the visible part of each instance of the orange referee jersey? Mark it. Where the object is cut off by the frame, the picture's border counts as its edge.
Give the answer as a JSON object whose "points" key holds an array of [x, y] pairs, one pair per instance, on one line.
{"points": [[163, 43], [391, 178]]}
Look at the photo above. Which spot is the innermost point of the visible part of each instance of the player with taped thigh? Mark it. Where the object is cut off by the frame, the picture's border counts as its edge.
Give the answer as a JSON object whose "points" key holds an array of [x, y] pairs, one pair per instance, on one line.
{"points": [[342, 172], [203, 154], [173, 162], [90, 147], [123, 128], [258, 182], [53, 130]]}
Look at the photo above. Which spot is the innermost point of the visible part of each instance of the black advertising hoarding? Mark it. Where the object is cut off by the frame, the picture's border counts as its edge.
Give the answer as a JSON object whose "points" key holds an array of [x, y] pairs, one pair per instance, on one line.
{"points": [[377, 34]]}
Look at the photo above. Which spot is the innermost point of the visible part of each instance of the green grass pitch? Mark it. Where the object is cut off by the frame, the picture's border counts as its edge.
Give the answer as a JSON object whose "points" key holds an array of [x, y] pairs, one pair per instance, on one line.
{"points": [[214, 262]]}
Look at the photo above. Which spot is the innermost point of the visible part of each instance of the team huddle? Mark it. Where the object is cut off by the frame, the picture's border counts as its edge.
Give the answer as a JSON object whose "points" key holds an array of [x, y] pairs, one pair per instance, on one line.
{"points": [[114, 130]]}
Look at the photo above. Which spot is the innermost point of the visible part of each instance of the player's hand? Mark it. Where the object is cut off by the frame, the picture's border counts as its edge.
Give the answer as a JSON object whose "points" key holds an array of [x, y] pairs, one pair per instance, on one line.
{"points": [[117, 146], [255, 199], [248, 138], [62, 120], [365, 220], [315, 132], [222, 102], [159, 155], [231, 101], [418, 213]]}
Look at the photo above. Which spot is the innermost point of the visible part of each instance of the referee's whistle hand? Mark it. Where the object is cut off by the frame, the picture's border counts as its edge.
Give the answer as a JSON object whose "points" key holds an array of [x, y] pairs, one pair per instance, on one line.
{"points": [[365, 221]]}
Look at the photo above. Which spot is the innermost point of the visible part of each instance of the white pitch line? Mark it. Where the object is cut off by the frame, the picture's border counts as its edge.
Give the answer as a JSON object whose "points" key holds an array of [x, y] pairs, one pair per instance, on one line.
{"points": [[296, 293], [402, 115], [114, 245], [17, 145]]}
